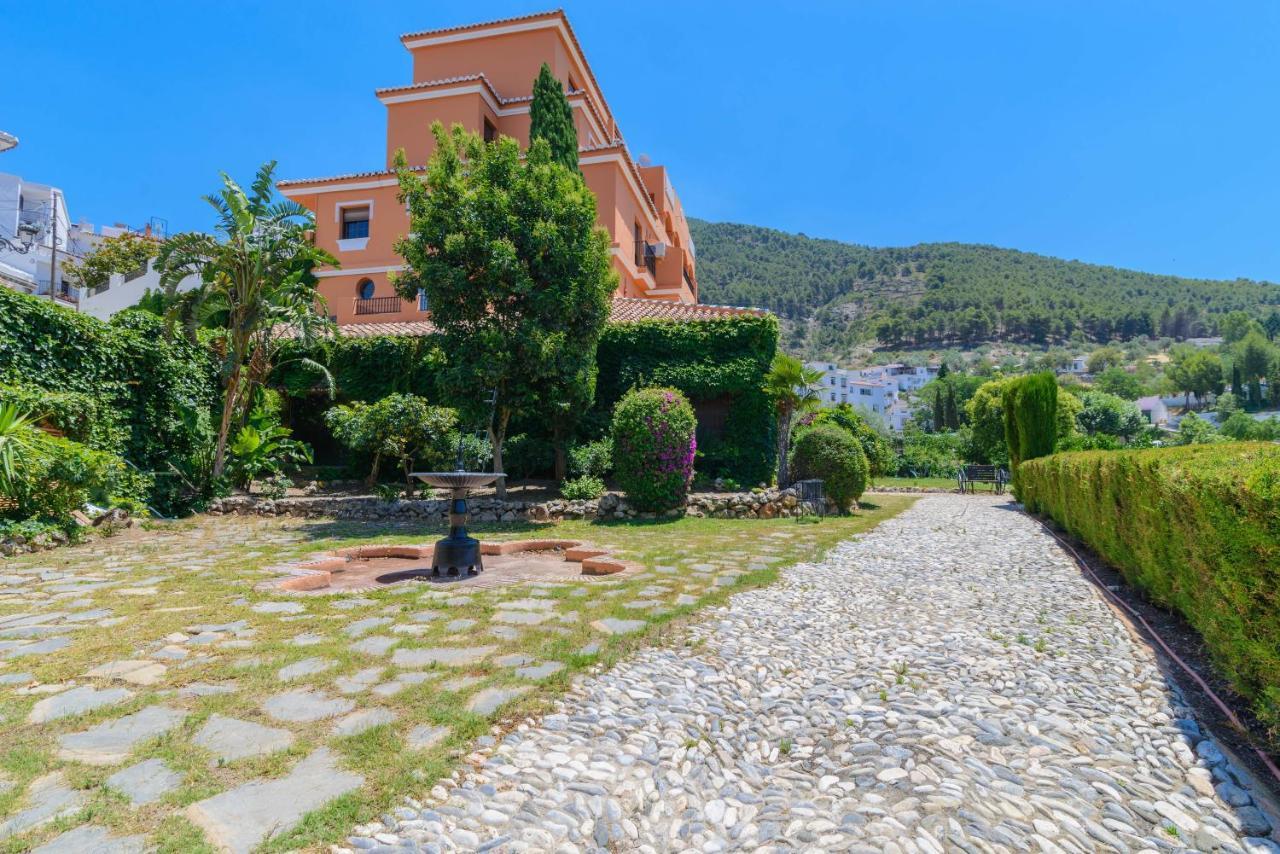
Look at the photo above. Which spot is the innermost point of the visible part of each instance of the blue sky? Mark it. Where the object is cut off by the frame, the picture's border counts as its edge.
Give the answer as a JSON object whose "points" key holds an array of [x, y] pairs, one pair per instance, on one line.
{"points": [[1139, 134]]}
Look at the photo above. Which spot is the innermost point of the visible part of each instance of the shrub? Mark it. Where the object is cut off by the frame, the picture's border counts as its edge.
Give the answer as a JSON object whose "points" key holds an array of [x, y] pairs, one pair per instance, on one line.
{"points": [[58, 476], [719, 364], [875, 444], [831, 454], [1195, 528], [585, 488], [654, 446], [525, 456], [401, 427], [591, 458], [1030, 419]]}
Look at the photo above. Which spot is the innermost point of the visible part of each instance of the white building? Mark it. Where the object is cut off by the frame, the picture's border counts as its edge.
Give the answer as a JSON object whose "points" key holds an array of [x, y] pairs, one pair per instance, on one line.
{"points": [[31, 215], [839, 385], [907, 377], [1154, 410]]}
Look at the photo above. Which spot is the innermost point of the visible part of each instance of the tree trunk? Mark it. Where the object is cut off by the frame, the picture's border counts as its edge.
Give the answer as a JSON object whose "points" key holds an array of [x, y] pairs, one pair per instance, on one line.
{"points": [[224, 426], [498, 435], [373, 472], [406, 463], [784, 441]]}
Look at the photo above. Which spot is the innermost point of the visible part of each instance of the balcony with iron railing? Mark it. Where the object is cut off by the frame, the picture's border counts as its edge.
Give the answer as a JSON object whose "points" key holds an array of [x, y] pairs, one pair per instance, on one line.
{"points": [[379, 305]]}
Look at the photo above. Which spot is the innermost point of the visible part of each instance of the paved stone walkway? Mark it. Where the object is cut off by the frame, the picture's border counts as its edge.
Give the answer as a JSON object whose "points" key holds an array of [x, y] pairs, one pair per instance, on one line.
{"points": [[947, 682]]}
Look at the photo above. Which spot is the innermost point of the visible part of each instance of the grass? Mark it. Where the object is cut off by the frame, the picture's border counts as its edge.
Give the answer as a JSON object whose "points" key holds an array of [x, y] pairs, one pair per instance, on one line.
{"points": [[913, 483], [205, 571]]}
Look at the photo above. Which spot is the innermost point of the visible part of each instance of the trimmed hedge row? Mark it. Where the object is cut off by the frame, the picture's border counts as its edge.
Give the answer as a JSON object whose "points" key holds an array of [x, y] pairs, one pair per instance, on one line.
{"points": [[1196, 528]]}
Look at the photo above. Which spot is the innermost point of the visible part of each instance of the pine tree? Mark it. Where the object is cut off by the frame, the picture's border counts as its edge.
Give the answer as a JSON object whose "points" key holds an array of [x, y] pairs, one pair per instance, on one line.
{"points": [[551, 118]]}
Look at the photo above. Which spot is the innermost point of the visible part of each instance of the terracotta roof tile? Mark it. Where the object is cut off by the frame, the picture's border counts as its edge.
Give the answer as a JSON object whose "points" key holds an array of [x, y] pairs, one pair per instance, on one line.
{"points": [[625, 310]]}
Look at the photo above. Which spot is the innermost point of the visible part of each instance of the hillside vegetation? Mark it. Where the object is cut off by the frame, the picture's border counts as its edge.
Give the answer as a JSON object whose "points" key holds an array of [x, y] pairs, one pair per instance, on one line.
{"points": [[834, 295]]}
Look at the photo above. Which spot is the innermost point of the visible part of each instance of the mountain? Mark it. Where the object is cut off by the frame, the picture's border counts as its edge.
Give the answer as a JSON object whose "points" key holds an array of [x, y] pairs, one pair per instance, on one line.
{"points": [[833, 296]]}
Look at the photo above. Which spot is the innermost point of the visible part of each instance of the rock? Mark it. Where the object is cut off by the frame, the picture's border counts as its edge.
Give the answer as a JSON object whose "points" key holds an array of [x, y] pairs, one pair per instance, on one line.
{"points": [[138, 672], [76, 701], [230, 739], [488, 700], [47, 798], [278, 608], [1252, 821], [93, 839], [375, 645], [615, 626], [240, 819], [426, 737], [145, 782], [301, 706], [539, 671], [361, 720], [112, 741], [305, 667], [452, 656]]}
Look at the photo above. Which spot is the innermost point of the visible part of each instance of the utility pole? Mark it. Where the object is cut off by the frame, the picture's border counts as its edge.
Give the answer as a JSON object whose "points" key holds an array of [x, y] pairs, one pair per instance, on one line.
{"points": [[53, 246]]}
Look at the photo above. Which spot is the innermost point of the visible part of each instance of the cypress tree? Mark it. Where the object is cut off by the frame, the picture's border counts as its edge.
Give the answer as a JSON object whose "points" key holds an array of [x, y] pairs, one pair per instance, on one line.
{"points": [[952, 411], [939, 414], [1030, 419], [943, 371], [551, 118], [1237, 386]]}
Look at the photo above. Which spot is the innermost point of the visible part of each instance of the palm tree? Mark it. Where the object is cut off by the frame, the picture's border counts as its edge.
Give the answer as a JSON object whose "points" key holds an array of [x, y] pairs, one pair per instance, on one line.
{"points": [[17, 440], [256, 282], [794, 389]]}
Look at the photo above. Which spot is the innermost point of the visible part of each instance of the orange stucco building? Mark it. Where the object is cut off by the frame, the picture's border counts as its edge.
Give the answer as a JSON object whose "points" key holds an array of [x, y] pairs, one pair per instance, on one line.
{"points": [[481, 76]]}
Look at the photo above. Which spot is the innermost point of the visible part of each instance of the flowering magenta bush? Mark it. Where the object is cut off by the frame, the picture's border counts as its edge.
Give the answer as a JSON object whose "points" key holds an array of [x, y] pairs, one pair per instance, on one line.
{"points": [[653, 448]]}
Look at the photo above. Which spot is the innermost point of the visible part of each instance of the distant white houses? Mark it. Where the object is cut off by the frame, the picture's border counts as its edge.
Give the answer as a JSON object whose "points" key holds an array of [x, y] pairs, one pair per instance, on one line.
{"points": [[1205, 342], [1154, 409], [878, 390], [32, 216], [1079, 365]]}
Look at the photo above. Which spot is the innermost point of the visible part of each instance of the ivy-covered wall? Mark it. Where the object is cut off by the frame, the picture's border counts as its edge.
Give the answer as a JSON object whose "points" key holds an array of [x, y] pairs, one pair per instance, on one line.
{"points": [[119, 386], [719, 365]]}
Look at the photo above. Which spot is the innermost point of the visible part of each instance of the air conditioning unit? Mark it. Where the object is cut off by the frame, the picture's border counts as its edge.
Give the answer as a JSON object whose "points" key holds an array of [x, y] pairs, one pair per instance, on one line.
{"points": [[658, 250]]}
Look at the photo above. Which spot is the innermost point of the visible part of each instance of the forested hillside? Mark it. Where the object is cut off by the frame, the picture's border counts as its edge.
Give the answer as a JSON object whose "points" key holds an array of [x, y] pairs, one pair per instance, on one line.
{"points": [[834, 295]]}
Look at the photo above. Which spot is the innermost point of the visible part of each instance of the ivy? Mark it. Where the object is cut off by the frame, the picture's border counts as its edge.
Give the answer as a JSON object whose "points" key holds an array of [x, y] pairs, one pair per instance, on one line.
{"points": [[139, 388]]}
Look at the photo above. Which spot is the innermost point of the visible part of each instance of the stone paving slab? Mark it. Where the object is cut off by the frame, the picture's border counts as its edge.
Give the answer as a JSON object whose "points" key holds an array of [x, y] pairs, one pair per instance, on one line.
{"points": [[111, 741], [145, 782], [946, 682], [239, 820]]}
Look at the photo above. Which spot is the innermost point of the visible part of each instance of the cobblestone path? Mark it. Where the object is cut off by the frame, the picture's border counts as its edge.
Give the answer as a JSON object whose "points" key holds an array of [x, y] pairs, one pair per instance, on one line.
{"points": [[947, 682]]}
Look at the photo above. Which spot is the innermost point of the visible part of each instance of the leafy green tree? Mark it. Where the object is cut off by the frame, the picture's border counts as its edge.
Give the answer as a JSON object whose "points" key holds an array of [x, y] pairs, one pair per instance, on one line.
{"points": [[121, 253], [1242, 427], [1109, 415], [1235, 325], [400, 427], [256, 274], [1104, 357], [794, 390], [1254, 354], [517, 273], [1194, 371], [1194, 430], [1272, 325], [1228, 405], [1119, 382], [551, 118]]}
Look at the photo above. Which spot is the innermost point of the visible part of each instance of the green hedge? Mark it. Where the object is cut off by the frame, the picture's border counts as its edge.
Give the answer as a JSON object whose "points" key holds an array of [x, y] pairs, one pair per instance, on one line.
{"points": [[707, 360], [141, 385], [1196, 528]]}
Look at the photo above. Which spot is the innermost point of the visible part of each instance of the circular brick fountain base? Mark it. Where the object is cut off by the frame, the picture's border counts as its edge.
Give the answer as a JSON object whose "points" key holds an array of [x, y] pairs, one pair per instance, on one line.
{"points": [[363, 568]]}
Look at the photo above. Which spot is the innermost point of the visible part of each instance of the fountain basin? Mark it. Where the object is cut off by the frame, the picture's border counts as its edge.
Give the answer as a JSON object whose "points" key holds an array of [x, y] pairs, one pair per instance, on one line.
{"points": [[457, 555]]}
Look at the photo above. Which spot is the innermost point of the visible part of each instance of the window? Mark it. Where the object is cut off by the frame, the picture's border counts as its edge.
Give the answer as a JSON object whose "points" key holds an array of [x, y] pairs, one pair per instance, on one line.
{"points": [[490, 132], [423, 303], [365, 287], [865, 392], [355, 223]]}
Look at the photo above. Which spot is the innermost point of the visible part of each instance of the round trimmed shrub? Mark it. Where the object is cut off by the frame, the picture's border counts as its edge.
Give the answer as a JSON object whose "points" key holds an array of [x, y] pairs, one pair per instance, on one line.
{"points": [[831, 454], [653, 448]]}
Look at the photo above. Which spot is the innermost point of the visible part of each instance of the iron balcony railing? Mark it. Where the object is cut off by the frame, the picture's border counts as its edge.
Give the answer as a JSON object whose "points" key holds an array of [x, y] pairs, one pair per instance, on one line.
{"points": [[379, 305]]}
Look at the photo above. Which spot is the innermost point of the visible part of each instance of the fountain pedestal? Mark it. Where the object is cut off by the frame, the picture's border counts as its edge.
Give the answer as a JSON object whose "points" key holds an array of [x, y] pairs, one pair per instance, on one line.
{"points": [[457, 555]]}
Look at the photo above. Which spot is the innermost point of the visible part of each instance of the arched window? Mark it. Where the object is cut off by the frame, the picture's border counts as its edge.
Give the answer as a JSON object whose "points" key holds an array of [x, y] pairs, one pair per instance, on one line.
{"points": [[365, 288]]}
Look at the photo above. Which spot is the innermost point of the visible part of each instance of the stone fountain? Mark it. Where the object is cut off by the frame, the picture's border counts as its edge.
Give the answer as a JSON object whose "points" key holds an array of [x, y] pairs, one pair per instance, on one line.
{"points": [[458, 555]]}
